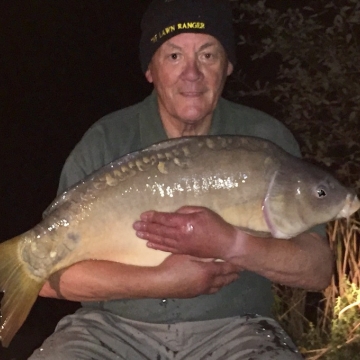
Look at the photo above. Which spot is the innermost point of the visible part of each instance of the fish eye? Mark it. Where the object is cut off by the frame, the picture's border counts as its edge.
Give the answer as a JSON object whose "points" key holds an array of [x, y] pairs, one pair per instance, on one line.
{"points": [[321, 192]]}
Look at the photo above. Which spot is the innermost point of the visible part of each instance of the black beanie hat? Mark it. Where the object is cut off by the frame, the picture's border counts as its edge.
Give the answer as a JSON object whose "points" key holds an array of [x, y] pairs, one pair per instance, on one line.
{"points": [[167, 18]]}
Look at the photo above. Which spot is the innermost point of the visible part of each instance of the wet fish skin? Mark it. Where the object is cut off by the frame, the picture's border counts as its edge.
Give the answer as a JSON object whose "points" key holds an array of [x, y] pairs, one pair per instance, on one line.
{"points": [[250, 182]]}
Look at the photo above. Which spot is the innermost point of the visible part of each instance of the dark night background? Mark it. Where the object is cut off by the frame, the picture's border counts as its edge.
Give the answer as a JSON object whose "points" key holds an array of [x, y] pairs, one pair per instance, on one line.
{"points": [[63, 65]]}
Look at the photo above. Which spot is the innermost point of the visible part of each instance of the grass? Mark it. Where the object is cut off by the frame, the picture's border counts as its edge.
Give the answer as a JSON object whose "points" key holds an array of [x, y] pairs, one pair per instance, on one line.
{"points": [[333, 333]]}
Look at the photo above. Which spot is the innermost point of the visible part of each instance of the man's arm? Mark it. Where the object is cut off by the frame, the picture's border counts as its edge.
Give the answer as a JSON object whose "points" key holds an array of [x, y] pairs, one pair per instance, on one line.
{"points": [[305, 261], [179, 276]]}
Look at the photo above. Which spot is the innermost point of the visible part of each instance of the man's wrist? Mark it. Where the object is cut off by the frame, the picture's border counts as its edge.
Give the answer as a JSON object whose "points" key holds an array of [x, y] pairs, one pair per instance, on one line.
{"points": [[237, 248]]}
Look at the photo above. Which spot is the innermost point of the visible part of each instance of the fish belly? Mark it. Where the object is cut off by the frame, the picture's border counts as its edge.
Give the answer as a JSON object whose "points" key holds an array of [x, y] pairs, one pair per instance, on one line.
{"points": [[113, 238]]}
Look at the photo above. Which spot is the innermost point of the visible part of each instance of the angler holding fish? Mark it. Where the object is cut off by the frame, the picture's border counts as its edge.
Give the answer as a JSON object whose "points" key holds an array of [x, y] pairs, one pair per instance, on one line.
{"points": [[196, 193]]}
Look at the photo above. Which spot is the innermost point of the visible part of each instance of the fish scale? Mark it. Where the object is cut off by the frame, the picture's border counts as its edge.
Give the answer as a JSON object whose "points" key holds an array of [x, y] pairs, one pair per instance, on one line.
{"points": [[250, 182]]}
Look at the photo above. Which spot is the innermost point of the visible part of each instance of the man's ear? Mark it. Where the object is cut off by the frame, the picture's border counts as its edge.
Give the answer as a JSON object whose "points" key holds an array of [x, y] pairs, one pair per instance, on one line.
{"points": [[148, 75], [230, 68]]}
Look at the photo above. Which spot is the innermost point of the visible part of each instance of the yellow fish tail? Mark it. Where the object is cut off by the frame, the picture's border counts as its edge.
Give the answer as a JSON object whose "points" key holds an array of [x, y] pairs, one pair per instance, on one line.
{"points": [[20, 290]]}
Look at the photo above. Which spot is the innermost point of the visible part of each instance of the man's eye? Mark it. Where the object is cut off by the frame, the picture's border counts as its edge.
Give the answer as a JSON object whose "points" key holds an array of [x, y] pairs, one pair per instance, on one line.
{"points": [[174, 56], [208, 56]]}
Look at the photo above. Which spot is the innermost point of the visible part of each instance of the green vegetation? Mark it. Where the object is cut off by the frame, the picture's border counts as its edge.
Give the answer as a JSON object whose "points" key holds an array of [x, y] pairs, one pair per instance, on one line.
{"points": [[315, 90]]}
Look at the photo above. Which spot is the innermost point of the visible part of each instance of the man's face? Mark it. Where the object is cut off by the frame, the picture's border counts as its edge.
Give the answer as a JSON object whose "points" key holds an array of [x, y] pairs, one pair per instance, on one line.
{"points": [[189, 72]]}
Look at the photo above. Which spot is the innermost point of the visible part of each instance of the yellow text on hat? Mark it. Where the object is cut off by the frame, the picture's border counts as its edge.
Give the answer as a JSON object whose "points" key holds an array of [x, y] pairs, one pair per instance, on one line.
{"points": [[179, 26]]}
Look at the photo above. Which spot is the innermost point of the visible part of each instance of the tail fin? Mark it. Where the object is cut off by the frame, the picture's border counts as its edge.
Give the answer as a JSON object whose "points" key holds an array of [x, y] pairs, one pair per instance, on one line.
{"points": [[20, 290]]}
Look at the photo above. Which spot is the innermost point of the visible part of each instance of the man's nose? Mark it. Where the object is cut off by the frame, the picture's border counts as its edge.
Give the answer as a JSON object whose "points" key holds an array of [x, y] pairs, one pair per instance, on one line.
{"points": [[192, 70]]}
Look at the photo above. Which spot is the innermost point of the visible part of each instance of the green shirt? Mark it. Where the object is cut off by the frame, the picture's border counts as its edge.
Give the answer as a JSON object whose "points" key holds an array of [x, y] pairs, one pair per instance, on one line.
{"points": [[139, 126]]}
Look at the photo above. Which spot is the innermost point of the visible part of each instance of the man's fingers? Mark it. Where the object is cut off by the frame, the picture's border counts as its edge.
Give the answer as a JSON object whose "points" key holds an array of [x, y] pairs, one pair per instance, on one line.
{"points": [[173, 219], [159, 242], [163, 218], [159, 232], [222, 274], [156, 241], [221, 281], [226, 268]]}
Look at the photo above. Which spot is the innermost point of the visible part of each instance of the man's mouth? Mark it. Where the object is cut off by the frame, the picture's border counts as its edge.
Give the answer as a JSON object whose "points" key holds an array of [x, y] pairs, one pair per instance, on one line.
{"points": [[192, 93]]}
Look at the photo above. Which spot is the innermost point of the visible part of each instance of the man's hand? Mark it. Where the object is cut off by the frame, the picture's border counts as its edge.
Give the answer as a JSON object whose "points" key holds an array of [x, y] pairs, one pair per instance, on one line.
{"points": [[200, 232], [191, 230], [184, 276]]}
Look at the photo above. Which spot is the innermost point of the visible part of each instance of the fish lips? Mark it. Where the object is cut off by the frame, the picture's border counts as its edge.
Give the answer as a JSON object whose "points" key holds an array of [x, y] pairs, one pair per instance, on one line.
{"points": [[352, 204]]}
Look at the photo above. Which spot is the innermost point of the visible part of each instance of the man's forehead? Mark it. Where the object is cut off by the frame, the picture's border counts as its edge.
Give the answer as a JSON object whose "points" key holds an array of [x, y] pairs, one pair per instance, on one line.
{"points": [[191, 40]]}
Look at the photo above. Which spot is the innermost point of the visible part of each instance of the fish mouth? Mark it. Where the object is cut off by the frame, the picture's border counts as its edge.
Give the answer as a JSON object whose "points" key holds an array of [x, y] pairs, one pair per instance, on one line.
{"points": [[352, 204]]}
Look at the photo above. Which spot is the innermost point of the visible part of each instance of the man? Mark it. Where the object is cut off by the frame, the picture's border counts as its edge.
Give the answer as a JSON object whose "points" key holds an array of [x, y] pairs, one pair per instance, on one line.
{"points": [[185, 308]]}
